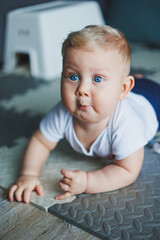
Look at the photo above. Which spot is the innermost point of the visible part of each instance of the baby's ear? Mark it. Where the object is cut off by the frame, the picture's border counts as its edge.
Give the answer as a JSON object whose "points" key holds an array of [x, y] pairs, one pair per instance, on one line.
{"points": [[127, 86]]}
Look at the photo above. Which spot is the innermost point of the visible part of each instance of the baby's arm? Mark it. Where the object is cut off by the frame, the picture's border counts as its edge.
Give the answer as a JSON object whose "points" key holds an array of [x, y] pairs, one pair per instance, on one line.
{"points": [[36, 154], [117, 175], [114, 176]]}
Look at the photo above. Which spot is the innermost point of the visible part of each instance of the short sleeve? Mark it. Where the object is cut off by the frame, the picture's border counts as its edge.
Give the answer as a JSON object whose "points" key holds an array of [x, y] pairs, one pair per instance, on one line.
{"points": [[128, 137], [54, 124]]}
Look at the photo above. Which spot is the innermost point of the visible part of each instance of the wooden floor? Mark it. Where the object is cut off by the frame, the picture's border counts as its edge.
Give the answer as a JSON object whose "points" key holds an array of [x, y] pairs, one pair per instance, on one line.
{"points": [[20, 221]]}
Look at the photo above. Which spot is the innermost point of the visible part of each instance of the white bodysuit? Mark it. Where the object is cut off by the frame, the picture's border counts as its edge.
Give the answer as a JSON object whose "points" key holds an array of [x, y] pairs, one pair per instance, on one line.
{"points": [[131, 126]]}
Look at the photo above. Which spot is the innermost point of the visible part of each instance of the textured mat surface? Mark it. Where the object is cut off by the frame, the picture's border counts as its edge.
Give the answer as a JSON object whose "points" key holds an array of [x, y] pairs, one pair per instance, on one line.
{"points": [[130, 213]]}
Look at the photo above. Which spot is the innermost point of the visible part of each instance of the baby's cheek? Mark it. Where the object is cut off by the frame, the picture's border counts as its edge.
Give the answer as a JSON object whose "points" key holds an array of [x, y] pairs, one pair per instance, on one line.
{"points": [[101, 104], [68, 100]]}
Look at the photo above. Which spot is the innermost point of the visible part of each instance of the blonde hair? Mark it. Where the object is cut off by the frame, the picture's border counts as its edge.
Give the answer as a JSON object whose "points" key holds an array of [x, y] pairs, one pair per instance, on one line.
{"points": [[99, 35]]}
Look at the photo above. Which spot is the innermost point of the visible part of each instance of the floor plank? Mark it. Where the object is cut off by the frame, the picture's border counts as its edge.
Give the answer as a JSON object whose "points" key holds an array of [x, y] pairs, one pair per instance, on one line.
{"points": [[21, 221], [12, 214]]}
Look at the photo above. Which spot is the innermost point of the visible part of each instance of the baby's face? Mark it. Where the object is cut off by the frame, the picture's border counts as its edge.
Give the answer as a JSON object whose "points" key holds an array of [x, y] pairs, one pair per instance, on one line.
{"points": [[91, 83]]}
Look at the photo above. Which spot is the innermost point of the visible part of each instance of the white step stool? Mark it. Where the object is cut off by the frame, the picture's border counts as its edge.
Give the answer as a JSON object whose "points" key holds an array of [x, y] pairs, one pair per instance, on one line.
{"points": [[35, 34]]}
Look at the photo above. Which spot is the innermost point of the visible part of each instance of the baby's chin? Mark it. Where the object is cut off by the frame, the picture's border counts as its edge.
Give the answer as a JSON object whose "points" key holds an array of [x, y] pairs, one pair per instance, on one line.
{"points": [[85, 116]]}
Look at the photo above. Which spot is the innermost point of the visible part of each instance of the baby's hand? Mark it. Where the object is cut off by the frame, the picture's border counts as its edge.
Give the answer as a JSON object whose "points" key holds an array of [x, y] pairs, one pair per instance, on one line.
{"points": [[73, 182], [23, 188]]}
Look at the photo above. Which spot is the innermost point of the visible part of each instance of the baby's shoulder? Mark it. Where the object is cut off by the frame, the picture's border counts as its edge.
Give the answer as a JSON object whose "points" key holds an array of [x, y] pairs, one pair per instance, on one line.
{"points": [[133, 110], [124, 110]]}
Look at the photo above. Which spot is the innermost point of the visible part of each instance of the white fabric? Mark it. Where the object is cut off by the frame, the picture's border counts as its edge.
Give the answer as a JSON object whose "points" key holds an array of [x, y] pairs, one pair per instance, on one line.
{"points": [[131, 126]]}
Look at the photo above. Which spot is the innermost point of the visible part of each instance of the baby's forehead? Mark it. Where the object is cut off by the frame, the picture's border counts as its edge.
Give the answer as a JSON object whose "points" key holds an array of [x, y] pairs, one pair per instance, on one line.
{"points": [[96, 49], [111, 53]]}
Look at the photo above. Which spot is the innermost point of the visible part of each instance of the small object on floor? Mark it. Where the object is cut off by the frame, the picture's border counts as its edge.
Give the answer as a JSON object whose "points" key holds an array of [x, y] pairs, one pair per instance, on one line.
{"points": [[154, 144], [156, 147]]}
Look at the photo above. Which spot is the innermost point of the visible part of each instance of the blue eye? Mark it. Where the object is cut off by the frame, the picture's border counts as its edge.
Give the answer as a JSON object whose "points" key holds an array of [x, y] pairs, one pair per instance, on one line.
{"points": [[74, 77], [98, 79]]}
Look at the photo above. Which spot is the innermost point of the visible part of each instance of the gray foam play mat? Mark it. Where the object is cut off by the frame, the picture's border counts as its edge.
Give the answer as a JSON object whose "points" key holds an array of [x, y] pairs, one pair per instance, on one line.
{"points": [[130, 213]]}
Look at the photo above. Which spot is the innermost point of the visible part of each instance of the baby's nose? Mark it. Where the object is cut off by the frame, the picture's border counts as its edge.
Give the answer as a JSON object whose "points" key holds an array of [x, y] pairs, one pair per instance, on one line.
{"points": [[81, 94], [83, 90]]}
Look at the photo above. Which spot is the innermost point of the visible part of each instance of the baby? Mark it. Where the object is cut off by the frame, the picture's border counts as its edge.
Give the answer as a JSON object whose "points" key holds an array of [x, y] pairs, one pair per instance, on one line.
{"points": [[98, 115]]}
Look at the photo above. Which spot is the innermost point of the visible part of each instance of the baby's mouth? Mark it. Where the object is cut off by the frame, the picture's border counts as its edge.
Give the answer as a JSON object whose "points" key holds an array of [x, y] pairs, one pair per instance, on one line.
{"points": [[83, 107]]}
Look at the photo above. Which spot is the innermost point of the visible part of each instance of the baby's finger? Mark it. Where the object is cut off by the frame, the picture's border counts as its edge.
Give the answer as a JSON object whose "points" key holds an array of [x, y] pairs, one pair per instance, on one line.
{"points": [[63, 196], [18, 194], [27, 195], [39, 189], [66, 181], [63, 186], [11, 193], [68, 173]]}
